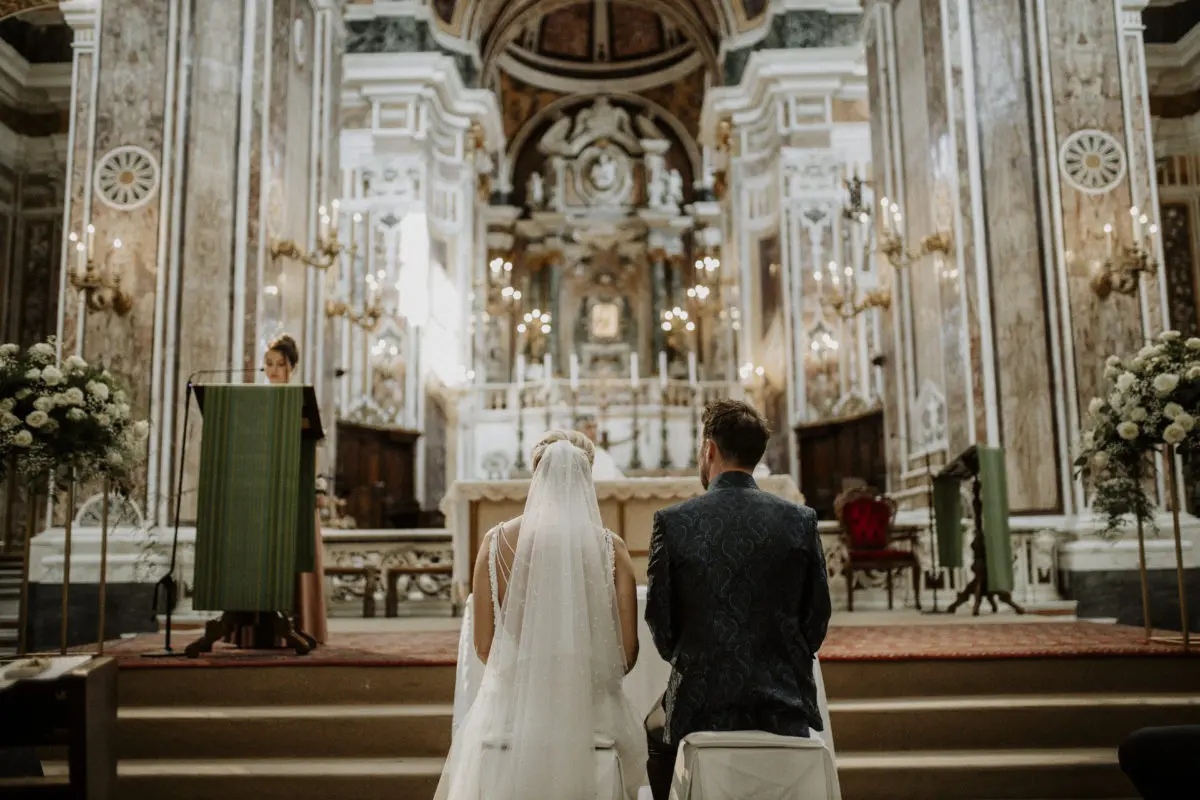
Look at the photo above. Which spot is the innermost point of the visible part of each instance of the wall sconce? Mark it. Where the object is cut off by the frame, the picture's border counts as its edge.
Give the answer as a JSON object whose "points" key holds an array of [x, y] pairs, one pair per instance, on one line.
{"points": [[891, 243], [101, 287], [367, 319], [1120, 272], [329, 247]]}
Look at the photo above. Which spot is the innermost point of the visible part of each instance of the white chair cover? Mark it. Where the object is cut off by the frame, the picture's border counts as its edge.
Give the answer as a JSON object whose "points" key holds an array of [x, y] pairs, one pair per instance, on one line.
{"points": [[608, 766], [745, 764]]}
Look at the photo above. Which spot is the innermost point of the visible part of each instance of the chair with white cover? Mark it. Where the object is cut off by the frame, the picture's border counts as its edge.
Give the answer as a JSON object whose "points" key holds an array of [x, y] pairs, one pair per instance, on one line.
{"points": [[609, 785], [738, 765]]}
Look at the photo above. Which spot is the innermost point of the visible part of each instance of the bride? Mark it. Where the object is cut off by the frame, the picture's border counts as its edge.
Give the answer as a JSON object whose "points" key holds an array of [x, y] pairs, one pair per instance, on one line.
{"points": [[555, 622]]}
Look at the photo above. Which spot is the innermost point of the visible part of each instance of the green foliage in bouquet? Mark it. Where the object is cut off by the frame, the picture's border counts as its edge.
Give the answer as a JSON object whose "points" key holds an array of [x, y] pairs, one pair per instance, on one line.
{"points": [[1154, 401], [59, 420]]}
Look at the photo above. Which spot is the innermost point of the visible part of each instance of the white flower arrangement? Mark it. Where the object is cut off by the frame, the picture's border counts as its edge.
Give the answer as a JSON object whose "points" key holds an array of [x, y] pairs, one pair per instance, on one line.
{"points": [[1154, 404]]}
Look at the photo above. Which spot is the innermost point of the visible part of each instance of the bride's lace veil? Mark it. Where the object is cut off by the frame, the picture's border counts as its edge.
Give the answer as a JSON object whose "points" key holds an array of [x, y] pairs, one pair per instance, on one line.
{"points": [[557, 646]]}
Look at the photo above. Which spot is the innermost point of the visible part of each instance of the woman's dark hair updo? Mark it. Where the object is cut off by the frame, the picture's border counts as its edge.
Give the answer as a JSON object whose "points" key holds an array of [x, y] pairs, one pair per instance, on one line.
{"points": [[285, 345]]}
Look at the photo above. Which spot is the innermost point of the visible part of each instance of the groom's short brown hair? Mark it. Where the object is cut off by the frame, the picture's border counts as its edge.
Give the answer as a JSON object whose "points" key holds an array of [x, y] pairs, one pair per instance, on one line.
{"points": [[738, 431]]}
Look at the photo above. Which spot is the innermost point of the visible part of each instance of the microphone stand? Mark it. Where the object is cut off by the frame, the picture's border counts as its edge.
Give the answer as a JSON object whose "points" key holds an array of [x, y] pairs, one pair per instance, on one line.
{"points": [[167, 584], [933, 554]]}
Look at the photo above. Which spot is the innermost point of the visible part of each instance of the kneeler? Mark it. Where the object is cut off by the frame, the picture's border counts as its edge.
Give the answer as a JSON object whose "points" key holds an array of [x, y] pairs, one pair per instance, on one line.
{"points": [[991, 546], [256, 508]]}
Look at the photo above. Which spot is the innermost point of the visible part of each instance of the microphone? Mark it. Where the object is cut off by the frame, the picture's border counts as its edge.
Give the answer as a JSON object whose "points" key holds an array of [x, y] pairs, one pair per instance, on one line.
{"points": [[167, 583]]}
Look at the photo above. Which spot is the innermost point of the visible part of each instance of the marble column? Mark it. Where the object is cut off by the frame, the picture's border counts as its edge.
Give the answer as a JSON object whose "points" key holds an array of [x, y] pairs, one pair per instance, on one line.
{"points": [[1012, 132], [199, 133]]}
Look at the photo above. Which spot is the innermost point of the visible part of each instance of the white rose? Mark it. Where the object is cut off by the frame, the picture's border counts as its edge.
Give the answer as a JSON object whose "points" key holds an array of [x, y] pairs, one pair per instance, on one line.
{"points": [[22, 394], [119, 396], [103, 420], [1169, 336], [76, 415], [52, 375], [1089, 440], [1128, 431], [123, 410], [37, 419], [9, 420], [42, 351], [1125, 382], [1113, 361], [98, 390], [1116, 401], [8, 404], [1185, 421], [1111, 373], [1193, 373], [1138, 414], [1096, 406], [33, 374], [1138, 364], [1149, 351], [1166, 383], [1193, 343], [1174, 434], [75, 364], [1100, 460], [9, 350], [23, 439], [73, 396], [1172, 410], [44, 404], [141, 429]]}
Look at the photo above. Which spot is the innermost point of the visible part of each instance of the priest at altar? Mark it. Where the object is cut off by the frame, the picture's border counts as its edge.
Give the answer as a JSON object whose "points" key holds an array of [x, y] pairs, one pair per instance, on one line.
{"points": [[627, 506]]}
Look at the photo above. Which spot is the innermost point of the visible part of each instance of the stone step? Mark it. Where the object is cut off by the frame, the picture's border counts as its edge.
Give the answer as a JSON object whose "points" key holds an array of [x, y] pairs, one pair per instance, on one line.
{"points": [[258, 779], [280, 732], [983, 775], [1006, 721]]}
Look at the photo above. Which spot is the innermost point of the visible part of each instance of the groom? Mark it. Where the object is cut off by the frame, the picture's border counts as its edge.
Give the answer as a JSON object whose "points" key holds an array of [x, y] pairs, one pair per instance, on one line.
{"points": [[738, 600]]}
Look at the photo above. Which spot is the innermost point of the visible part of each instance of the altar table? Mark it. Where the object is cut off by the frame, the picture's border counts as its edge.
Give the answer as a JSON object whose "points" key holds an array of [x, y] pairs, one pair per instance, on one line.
{"points": [[472, 508]]}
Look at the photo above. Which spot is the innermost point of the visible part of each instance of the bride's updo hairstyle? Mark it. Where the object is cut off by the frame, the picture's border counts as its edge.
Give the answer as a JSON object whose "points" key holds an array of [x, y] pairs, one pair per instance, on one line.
{"points": [[576, 438]]}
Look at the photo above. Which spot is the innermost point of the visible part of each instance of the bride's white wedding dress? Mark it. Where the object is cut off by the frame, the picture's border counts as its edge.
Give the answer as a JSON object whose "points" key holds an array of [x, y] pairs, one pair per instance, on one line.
{"points": [[551, 688]]}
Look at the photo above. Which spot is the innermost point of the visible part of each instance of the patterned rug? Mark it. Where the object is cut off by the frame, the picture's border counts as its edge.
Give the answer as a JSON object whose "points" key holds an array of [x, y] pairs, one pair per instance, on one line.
{"points": [[870, 643]]}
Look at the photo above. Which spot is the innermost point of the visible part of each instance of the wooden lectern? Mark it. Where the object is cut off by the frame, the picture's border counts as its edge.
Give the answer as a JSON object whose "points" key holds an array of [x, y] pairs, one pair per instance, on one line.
{"points": [[256, 508]]}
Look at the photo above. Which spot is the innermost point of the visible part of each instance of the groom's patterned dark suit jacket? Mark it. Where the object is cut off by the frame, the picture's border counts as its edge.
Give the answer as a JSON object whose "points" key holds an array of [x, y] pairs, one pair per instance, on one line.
{"points": [[738, 602]]}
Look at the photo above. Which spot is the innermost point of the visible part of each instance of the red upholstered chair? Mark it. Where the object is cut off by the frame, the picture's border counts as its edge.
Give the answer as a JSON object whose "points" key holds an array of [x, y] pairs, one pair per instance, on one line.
{"points": [[866, 522]]}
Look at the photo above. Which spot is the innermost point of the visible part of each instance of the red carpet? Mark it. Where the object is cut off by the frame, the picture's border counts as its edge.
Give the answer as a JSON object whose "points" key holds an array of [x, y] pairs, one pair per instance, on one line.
{"points": [[875, 643]]}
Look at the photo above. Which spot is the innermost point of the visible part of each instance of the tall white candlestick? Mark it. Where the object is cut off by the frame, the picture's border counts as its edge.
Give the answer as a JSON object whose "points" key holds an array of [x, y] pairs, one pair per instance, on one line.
{"points": [[1108, 239], [520, 370], [692, 368], [662, 368], [574, 372], [546, 362], [633, 370], [335, 205], [91, 242], [81, 253]]}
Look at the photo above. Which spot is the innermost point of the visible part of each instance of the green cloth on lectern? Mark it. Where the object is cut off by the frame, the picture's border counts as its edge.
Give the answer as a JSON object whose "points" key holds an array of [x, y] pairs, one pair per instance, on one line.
{"points": [[254, 518], [993, 480], [947, 509]]}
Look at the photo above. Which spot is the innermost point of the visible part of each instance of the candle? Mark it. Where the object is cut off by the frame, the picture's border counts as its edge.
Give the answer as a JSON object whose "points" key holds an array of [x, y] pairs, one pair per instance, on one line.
{"points": [[574, 372], [1108, 239], [91, 242], [633, 370], [354, 230], [81, 257], [323, 218], [520, 370], [692, 368], [662, 368], [1137, 224], [335, 205], [546, 361]]}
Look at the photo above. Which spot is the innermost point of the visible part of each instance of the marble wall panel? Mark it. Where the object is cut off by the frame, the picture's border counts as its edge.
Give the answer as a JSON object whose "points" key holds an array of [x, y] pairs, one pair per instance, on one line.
{"points": [[275, 184], [130, 108], [964, 234], [257, 202], [946, 269], [1015, 253], [877, 73], [206, 283], [299, 205], [70, 313], [918, 151], [1142, 170], [1086, 94]]}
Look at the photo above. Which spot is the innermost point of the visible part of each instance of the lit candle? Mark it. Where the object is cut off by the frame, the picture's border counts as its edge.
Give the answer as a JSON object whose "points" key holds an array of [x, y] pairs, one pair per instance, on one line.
{"points": [[335, 205], [91, 242], [1108, 239], [81, 257], [662, 368], [1137, 224], [520, 370], [692, 368], [633, 370], [546, 366], [574, 372]]}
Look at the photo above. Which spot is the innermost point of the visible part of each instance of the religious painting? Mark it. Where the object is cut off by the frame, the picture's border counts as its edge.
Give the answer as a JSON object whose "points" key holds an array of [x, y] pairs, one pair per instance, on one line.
{"points": [[605, 321], [770, 280], [1180, 264]]}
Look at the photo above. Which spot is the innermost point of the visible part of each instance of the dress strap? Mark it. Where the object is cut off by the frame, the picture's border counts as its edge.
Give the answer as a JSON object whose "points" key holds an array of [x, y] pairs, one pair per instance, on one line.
{"points": [[493, 571], [611, 552]]}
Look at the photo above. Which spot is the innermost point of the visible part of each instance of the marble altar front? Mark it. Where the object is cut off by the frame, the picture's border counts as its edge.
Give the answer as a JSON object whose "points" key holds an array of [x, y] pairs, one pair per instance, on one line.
{"points": [[627, 507]]}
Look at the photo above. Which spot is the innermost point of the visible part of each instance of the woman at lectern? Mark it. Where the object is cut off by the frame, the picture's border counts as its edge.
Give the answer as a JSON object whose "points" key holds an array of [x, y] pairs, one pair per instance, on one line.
{"points": [[279, 364]]}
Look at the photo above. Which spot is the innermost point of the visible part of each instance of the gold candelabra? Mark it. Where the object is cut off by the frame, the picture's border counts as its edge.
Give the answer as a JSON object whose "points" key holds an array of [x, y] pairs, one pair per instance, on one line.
{"points": [[891, 242], [847, 307], [535, 328], [367, 319], [1120, 271], [329, 247], [101, 287]]}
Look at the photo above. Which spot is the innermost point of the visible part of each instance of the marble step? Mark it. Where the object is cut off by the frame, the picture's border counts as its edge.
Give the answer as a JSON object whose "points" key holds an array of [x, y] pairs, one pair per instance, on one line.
{"points": [[983, 775], [323, 731], [259, 779], [1000, 722]]}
